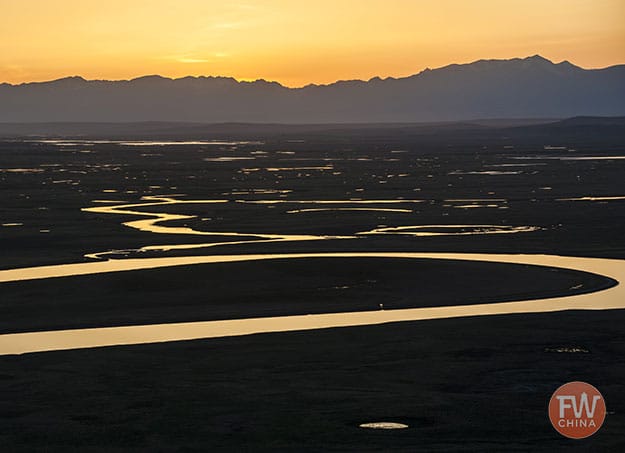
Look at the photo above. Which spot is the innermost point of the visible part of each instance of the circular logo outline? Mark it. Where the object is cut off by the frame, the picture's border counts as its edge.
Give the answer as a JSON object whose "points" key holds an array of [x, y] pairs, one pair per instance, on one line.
{"points": [[568, 405]]}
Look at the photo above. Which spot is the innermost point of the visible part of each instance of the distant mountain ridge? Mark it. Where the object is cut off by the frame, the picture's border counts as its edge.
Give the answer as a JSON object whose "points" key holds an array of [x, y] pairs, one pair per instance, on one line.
{"points": [[531, 87]]}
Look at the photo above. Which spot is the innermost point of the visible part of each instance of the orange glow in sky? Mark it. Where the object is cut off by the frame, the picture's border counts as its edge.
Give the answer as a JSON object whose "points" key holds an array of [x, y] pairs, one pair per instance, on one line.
{"points": [[296, 42]]}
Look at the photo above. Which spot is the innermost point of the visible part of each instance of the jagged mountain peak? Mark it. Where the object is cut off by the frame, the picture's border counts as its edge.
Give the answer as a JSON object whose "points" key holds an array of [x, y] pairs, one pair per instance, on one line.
{"points": [[529, 87]]}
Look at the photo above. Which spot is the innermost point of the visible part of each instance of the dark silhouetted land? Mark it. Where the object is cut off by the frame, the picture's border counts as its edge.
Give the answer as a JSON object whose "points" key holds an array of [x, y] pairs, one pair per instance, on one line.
{"points": [[469, 384], [532, 87]]}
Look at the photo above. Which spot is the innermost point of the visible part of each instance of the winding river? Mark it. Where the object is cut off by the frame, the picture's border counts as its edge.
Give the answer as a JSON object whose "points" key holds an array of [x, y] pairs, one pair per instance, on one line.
{"points": [[155, 220], [19, 343]]}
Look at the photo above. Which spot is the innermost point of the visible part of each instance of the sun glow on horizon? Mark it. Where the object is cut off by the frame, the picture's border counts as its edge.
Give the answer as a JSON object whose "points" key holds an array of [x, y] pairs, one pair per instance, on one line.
{"points": [[296, 43]]}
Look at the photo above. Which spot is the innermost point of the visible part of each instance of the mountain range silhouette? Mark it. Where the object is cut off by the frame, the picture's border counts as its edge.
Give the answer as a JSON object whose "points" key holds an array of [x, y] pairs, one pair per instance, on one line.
{"points": [[531, 87]]}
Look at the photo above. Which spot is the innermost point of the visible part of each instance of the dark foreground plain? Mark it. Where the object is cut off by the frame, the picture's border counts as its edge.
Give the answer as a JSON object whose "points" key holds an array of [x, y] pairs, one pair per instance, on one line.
{"points": [[471, 384]]}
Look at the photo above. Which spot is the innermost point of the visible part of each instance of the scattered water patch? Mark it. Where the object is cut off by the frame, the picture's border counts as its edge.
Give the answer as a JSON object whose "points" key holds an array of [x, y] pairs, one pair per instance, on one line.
{"points": [[298, 211], [228, 158], [323, 167], [144, 142], [471, 206], [450, 230], [21, 170], [567, 157], [485, 172], [383, 425], [614, 198]]}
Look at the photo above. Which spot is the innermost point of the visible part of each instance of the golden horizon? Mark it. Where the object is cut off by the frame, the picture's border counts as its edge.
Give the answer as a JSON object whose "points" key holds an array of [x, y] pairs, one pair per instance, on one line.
{"points": [[294, 43], [178, 77]]}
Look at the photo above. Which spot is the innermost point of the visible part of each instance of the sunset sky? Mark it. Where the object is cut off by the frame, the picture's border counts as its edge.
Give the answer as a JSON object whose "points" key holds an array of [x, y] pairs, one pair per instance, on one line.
{"points": [[296, 42]]}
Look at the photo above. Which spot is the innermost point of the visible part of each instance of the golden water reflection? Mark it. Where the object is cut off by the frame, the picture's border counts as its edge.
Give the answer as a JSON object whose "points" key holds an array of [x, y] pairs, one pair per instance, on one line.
{"points": [[611, 298], [154, 223]]}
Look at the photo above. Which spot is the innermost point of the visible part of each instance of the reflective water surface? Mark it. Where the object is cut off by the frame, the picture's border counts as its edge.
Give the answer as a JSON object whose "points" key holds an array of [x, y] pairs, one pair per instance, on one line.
{"points": [[593, 198], [154, 224], [402, 216], [19, 343], [143, 142]]}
